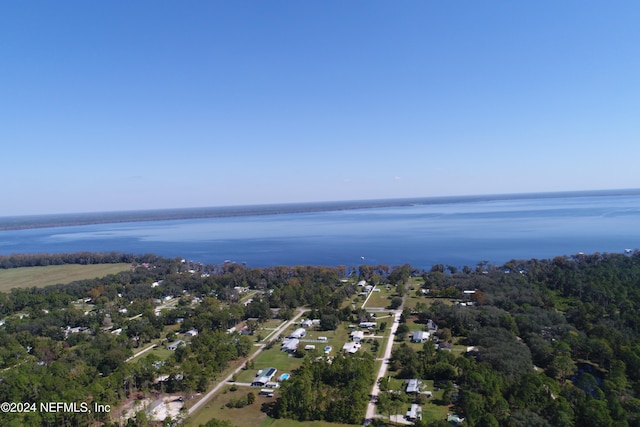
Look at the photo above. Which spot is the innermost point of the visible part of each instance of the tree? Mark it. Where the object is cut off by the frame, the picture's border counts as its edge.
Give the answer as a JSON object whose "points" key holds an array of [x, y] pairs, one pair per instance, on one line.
{"points": [[594, 413], [329, 322], [563, 367], [402, 331], [395, 303]]}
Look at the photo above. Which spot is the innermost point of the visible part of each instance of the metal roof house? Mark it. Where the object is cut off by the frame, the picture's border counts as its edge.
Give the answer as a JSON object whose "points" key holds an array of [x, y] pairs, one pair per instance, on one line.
{"points": [[414, 413], [413, 385], [290, 345], [357, 336], [351, 347], [298, 333], [420, 336], [264, 376]]}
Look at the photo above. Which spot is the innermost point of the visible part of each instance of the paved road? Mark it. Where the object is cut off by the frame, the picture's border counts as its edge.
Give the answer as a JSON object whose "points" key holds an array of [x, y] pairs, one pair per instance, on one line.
{"points": [[214, 390], [371, 408]]}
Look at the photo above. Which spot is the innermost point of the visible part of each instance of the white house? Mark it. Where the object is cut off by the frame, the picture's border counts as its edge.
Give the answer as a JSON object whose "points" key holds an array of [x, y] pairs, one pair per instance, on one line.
{"points": [[174, 345], [191, 333], [298, 333], [413, 385], [351, 347], [290, 345], [414, 413], [357, 336], [420, 336]]}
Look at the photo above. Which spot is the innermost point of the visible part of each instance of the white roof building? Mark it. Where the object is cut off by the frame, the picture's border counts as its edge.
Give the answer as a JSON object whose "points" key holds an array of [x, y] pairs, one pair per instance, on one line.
{"points": [[357, 336], [298, 333], [414, 413], [351, 347], [290, 345], [413, 385], [174, 345], [420, 336], [264, 376]]}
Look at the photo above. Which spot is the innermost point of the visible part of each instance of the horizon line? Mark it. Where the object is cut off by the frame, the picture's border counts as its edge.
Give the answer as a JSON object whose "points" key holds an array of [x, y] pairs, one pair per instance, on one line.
{"points": [[16, 222]]}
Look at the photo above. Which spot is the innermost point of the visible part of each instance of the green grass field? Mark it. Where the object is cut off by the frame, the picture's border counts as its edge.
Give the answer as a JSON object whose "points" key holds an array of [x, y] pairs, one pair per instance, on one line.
{"points": [[379, 299], [28, 277]]}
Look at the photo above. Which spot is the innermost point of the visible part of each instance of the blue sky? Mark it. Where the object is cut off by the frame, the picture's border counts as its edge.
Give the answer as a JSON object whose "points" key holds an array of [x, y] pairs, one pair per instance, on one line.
{"points": [[126, 105]]}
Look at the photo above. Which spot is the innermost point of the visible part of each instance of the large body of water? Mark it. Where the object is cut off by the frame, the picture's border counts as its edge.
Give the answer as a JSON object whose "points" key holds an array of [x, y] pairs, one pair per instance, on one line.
{"points": [[460, 231]]}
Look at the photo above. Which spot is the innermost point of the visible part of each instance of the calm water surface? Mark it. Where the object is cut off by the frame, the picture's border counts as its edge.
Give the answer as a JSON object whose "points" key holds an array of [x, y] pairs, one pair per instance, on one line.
{"points": [[456, 233]]}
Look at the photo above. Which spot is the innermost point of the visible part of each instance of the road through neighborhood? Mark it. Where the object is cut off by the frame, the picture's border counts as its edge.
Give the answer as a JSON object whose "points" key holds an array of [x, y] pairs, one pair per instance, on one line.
{"points": [[371, 408], [214, 390]]}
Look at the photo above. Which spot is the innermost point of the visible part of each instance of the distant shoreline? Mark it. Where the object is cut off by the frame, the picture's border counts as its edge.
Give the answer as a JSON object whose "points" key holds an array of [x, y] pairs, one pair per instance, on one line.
{"points": [[77, 219]]}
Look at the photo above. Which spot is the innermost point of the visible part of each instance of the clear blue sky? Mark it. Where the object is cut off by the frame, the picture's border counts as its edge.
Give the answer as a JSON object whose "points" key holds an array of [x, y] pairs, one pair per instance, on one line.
{"points": [[122, 105]]}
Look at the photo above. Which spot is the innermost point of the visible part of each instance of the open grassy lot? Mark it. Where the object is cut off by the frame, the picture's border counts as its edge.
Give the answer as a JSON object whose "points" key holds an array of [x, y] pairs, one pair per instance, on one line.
{"points": [[27, 277], [272, 323], [379, 299]]}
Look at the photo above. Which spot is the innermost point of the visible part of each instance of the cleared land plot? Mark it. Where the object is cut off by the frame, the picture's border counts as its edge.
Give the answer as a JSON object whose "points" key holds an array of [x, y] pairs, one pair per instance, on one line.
{"points": [[379, 299], [28, 277]]}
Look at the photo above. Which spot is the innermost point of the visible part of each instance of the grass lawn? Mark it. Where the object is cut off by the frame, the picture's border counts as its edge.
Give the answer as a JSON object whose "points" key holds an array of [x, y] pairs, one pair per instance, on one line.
{"points": [[274, 358], [382, 298], [415, 283], [27, 277], [272, 323], [161, 353], [432, 412], [378, 299]]}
